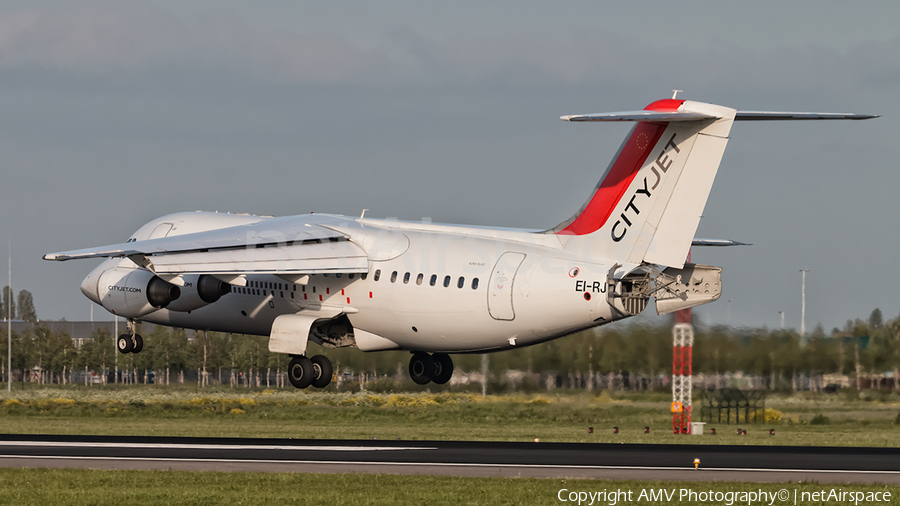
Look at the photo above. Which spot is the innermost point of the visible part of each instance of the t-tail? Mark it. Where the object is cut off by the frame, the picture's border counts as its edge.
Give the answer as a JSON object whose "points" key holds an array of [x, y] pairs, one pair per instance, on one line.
{"points": [[648, 204]]}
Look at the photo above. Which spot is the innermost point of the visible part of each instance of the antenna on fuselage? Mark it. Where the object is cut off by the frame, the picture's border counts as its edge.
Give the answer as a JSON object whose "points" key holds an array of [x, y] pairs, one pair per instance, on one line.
{"points": [[675, 93], [363, 215]]}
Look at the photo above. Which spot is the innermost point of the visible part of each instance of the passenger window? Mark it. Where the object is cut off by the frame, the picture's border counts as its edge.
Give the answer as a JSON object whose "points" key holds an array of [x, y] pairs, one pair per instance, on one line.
{"points": [[461, 283], [377, 275], [474, 283], [433, 279], [406, 278], [446, 281], [393, 276], [419, 278]]}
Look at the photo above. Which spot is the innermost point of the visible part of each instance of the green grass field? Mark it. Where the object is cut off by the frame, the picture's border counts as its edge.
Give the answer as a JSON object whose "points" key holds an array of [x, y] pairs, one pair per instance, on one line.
{"points": [[867, 420], [797, 420], [24, 487]]}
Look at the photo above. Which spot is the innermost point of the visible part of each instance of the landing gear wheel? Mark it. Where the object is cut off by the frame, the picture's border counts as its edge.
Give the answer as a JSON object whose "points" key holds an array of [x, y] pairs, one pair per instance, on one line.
{"points": [[300, 372], [322, 371], [124, 344], [443, 368], [138, 344], [421, 368]]}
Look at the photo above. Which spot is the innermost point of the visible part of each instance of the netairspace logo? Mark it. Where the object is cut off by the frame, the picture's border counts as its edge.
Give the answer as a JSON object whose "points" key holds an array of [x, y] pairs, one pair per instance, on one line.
{"points": [[728, 498]]}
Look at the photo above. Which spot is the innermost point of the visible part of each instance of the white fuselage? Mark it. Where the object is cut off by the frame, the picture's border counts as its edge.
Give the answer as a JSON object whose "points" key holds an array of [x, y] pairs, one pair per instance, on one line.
{"points": [[429, 287]]}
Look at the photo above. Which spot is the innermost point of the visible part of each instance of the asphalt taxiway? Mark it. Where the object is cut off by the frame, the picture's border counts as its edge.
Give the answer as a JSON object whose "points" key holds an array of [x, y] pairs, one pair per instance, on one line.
{"points": [[460, 458]]}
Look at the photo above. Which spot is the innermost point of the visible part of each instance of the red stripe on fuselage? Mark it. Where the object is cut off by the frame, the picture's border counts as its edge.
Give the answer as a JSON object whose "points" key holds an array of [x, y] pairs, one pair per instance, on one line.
{"points": [[635, 152]]}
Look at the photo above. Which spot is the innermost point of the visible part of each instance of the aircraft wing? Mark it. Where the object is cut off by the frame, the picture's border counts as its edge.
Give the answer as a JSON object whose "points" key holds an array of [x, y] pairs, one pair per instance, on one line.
{"points": [[289, 245]]}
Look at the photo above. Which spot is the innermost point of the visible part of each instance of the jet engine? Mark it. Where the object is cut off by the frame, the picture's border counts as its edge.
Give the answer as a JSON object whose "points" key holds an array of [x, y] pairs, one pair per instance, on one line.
{"points": [[198, 291], [133, 293]]}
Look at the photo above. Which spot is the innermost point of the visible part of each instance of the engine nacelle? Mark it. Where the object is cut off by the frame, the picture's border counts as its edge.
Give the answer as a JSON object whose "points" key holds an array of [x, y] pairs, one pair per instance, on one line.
{"points": [[134, 293], [198, 291]]}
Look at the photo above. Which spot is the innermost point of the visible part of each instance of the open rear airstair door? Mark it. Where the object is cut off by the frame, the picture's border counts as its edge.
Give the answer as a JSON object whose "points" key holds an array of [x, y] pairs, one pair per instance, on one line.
{"points": [[500, 289]]}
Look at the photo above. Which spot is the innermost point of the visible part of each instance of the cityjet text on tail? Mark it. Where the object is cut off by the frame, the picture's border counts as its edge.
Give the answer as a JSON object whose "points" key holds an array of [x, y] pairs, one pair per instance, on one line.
{"points": [[436, 289]]}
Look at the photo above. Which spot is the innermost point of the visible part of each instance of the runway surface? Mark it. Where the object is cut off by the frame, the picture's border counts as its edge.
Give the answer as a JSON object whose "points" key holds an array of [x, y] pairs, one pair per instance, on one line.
{"points": [[459, 458]]}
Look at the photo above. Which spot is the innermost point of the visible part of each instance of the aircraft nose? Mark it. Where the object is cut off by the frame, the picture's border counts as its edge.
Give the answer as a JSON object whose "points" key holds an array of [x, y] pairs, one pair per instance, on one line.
{"points": [[90, 284]]}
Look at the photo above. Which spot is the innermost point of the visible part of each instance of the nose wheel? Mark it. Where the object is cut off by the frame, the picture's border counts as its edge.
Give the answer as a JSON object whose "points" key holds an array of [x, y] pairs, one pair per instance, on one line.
{"points": [[425, 368]]}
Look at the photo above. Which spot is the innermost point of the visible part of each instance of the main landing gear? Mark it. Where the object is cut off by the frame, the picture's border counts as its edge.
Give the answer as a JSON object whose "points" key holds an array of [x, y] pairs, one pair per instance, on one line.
{"points": [[128, 343], [316, 371], [424, 368], [131, 342]]}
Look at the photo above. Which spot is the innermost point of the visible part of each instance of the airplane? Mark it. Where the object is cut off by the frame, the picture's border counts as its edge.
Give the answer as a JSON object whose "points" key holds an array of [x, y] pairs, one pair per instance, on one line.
{"points": [[436, 289]]}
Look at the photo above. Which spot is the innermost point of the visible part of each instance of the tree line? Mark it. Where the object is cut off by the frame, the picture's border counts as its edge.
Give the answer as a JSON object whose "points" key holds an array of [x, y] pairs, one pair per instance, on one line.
{"points": [[19, 308], [862, 350]]}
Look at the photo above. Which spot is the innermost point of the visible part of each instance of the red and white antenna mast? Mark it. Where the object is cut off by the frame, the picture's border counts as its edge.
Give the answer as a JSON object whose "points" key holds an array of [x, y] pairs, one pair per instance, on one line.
{"points": [[682, 358]]}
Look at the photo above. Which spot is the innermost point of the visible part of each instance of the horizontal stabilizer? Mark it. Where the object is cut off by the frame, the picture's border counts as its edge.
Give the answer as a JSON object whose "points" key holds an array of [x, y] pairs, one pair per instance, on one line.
{"points": [[718, 242], [694, 116], [782, 116], [639, 116]]}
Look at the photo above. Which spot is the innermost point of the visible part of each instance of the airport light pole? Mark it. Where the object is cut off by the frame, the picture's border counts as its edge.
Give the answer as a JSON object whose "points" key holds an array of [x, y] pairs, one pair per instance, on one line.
{"points": [[782, 319], [116, 349], [803, 307], [484, 374], [9, 328]]}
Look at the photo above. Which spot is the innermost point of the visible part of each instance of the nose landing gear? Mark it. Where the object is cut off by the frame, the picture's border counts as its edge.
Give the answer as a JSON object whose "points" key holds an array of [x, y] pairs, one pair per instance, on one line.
{"points": [[424, 368], [303, 372], [130, 343]]}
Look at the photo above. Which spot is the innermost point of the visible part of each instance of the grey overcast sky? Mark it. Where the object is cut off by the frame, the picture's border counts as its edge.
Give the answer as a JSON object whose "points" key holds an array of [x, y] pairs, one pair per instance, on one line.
{"points": [[114, 112]]}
